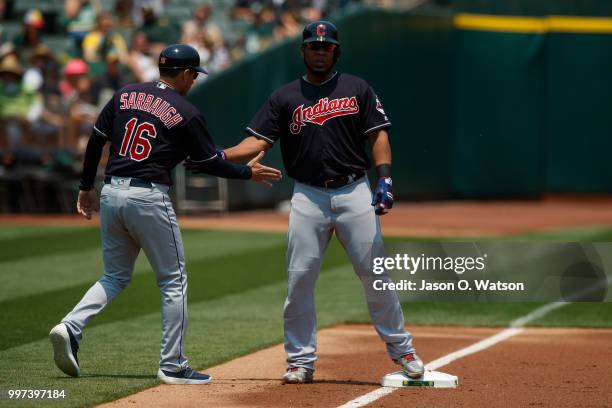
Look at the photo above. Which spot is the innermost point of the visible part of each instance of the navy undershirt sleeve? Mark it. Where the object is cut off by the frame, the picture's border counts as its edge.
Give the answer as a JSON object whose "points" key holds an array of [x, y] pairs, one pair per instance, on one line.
{"points": [[222, 168], [93, 153]]}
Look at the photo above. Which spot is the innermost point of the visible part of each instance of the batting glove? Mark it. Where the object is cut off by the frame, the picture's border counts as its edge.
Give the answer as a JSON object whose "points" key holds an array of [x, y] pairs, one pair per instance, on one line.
{"points": [[383, 196]]}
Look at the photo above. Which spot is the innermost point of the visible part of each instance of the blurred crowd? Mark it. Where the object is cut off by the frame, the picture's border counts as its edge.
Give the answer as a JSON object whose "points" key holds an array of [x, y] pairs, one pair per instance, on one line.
{"points": [[61, 61], [49, 97]]}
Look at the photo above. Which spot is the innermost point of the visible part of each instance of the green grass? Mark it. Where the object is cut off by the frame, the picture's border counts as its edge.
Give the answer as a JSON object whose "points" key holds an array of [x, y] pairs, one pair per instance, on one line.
{"points": [[236, 293]]}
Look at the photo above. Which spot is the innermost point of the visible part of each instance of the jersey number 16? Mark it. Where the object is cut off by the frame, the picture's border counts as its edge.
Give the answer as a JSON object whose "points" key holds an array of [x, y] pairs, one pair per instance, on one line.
{"points": [[135, 139]]}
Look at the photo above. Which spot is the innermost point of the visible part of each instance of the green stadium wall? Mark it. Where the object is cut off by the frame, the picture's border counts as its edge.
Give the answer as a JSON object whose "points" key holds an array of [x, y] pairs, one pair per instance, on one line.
{"points": [[477, 113]]}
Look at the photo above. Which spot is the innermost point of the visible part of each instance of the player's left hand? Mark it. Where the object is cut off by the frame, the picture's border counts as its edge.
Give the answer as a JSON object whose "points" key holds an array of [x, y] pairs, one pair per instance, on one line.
{"points": [[383, 196], [87, 203]]}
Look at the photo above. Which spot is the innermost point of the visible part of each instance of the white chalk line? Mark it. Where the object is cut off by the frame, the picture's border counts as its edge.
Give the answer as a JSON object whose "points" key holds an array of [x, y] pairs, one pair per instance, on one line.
{"points": [[516, 327]]}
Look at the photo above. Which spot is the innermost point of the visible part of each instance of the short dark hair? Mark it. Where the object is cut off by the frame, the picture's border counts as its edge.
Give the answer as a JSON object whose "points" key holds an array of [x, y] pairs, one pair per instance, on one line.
{"points": [[170, 72]]}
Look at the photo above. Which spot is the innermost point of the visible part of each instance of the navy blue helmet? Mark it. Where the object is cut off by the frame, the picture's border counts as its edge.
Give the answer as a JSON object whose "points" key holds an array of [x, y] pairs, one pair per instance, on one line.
{"points": [[177, 56], [322, 31]]}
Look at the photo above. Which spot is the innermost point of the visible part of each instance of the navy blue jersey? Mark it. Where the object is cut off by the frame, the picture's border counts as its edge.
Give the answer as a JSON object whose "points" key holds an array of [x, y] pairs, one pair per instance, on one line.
{"points": [[152, 128], [322, 128]]}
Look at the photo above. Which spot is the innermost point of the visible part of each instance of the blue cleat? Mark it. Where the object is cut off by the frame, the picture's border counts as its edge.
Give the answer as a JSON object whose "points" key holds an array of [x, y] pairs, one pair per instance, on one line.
{"points": [[186, 376]]}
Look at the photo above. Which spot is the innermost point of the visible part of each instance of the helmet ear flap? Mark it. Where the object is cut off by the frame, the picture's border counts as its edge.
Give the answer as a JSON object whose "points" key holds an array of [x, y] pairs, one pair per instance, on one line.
{"points": [[337, 54]]}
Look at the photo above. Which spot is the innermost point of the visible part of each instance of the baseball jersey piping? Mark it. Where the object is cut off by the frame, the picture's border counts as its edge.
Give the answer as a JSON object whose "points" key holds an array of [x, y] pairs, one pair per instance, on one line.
{"points": [[205, 160], [377, 127], [254, 133], [178, 260], [322, 83], [101, 133]]}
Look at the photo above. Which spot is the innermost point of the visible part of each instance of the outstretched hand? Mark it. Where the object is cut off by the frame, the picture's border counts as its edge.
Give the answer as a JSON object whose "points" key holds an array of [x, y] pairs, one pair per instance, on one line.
{"points": [[263, 174], [87, 203]]}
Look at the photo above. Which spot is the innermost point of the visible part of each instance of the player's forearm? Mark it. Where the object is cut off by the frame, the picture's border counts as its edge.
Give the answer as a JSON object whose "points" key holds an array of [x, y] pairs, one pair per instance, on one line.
{"points": [[381, 148], [93, 153], [246, 150]]}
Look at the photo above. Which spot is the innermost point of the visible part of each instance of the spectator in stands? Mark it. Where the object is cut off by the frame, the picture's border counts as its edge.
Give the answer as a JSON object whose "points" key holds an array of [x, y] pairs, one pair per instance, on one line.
{"points": [[219, 55], [200, 22], [6, 49], [75, 71], [259, 35], [156, 5], [43, 71], [123, 12], [287, 26], [79, 101], [103, 41], [42, 77], [104, 86], [80, 18], [19, 106], [244, 10], [142, 64], [160, 30], [33, 23], [194, 36], [316, 10]]}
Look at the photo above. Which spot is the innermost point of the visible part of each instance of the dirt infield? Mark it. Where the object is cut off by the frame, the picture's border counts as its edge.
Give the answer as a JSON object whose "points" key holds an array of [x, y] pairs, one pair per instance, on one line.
{"points": [[435, 219], [540, 367]]}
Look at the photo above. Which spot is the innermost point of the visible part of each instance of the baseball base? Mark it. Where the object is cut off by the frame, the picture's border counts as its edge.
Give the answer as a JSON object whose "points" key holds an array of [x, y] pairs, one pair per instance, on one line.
{"points": [[431, 379]]}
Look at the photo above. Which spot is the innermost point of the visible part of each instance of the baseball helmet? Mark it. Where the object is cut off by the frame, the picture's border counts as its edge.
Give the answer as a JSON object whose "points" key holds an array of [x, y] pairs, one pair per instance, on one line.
{"points": [[322, 31], [178, 56]]}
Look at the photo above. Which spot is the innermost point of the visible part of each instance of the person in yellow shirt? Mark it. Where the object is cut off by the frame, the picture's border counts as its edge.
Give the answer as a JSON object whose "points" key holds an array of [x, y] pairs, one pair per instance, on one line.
{"points": [[101, 42]]}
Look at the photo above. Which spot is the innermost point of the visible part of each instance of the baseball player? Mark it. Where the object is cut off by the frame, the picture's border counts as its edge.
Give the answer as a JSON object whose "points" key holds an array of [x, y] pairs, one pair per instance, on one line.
{"points": [[151, 128], [324, 121]]}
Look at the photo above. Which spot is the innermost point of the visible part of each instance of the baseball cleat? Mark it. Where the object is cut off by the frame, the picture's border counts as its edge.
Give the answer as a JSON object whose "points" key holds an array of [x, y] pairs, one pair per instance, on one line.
{"points": [[412, 365], [186, 376], [298, 375], [65, 349]]}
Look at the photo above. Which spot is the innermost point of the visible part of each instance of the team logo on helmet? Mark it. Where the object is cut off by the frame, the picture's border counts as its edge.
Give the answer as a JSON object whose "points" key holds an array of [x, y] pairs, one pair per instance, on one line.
{"points": [[322, 111], [162, 60], [321, 30]]}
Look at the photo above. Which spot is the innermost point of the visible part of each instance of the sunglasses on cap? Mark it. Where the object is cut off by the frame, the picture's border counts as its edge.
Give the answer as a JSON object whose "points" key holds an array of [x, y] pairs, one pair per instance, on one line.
{"points": [[316, 45]]}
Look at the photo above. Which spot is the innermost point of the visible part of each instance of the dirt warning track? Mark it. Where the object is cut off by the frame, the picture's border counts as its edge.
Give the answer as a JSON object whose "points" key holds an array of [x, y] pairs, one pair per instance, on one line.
{"points": [[430, 219], [539, 367]]}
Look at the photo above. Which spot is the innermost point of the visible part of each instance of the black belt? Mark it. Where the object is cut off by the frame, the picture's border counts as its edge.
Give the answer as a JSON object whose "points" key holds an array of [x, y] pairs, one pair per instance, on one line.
{"points": [[338, 181], [134, 182]]}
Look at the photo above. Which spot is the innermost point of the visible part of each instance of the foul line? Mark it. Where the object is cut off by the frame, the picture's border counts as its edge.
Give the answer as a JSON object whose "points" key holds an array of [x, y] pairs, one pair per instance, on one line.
{"points": [[516, 327]]}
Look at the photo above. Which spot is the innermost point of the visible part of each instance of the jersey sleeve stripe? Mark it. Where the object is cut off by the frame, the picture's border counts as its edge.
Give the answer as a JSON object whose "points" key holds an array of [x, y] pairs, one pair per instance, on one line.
{"points": [[254, 133], [101, 133], [386, 124], [203, 161]]}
